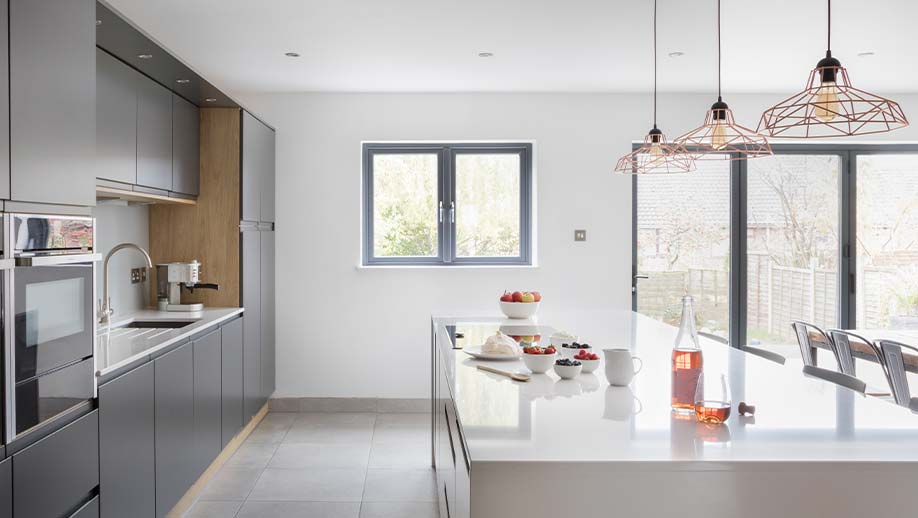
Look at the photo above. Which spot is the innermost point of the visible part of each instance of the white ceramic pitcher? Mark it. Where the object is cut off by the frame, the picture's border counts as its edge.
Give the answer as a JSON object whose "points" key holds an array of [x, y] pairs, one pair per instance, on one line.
{"points": [[620, 369]]}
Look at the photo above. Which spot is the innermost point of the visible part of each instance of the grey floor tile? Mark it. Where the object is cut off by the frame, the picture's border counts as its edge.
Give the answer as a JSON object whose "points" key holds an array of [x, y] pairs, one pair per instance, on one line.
{"points": [[338, 404], [272, 428], [399, 510], [252, 455], [391, 485], [400, 455], [253, 509], [402, 428], [213, 510], [231, 484], [386, 405], [309, 455], [331, 428], [315, 485]]}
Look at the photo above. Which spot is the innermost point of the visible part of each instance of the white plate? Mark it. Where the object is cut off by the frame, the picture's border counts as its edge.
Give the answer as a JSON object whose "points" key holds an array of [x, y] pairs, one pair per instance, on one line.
{"points": [[476, 352]]}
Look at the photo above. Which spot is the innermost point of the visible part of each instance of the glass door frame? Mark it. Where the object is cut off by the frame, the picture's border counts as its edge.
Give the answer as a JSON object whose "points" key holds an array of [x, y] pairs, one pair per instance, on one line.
{"points": [[847, 231]]}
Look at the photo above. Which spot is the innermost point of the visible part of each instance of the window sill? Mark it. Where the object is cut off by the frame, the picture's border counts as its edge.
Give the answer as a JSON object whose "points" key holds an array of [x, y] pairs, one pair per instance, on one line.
{"points": [[447, 267]]}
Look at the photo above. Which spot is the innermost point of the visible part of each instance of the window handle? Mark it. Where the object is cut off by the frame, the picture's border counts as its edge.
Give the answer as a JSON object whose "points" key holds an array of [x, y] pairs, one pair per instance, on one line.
{"points": [[452, 212], [440, 213]]}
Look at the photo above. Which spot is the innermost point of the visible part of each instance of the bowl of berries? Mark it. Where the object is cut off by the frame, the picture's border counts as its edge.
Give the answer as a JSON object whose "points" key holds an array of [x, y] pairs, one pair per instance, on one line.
{"points": [[568, 369], [520, 304], [589, 360], [569, 350], [539, 359]]}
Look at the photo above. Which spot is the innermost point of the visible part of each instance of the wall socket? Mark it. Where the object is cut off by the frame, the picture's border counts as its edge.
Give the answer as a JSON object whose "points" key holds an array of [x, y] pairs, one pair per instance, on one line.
{"points": [[138, 275], [580, 235]]}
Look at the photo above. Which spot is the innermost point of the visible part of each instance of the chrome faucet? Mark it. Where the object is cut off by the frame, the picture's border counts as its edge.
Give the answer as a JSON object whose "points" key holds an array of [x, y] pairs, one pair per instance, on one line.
{"points": [[105, 304]]}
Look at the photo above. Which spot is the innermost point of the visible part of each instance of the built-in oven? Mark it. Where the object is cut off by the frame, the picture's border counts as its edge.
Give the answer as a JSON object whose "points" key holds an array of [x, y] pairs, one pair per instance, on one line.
{"points": [[51, 325]]}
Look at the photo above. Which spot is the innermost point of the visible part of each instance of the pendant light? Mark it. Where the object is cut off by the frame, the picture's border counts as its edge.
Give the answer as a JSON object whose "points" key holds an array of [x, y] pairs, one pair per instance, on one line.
{"points": [[830, 106], [656, 155], [720, 137]]}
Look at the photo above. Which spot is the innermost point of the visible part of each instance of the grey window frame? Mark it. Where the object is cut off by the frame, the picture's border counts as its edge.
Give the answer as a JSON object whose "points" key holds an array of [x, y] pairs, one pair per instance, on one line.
{"points": [[446, 193], [847, 221]]}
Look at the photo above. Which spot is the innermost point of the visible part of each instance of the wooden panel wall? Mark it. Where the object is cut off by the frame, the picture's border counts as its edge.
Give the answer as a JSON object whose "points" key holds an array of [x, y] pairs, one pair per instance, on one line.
{"points": [[208, 231]]}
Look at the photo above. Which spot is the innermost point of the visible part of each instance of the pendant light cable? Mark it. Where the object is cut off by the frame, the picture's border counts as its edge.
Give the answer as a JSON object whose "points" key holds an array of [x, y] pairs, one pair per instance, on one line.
{"points": [[718, 51], [829, 32], [654, 63]]}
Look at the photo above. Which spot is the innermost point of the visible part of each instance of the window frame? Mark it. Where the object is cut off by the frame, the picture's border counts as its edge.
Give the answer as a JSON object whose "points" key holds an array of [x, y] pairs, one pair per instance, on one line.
{"points": [[446, 197]]}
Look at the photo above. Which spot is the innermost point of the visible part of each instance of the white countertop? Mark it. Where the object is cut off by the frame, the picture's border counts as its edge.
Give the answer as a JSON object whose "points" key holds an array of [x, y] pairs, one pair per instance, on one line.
{"points": [[117, 346], [798, 419]]}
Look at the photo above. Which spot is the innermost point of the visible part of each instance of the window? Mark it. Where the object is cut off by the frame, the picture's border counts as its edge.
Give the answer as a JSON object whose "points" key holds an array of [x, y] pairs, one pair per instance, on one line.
{"points": [[447, 204]]}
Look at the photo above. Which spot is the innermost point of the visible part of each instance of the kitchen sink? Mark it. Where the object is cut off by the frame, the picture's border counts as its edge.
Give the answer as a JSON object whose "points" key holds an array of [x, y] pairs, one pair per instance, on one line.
{"points": [[160, 324]]}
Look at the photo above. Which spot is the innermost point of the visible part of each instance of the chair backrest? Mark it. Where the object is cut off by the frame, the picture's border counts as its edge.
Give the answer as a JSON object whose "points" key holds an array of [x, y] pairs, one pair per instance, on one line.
{"points": [[841, 340], [895, 369], [762, 353], [836, 377], [804, 340], [710, 336]]}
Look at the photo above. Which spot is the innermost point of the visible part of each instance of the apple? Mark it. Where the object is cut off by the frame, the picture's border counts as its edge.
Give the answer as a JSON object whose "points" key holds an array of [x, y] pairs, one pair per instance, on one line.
{"points": [[537, 295], [517, 296], [506, 297], [528, 297]]}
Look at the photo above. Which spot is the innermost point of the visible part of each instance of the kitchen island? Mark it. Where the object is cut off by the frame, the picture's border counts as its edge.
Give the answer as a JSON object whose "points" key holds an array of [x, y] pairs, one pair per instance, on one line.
{"points": [[552, 447]]}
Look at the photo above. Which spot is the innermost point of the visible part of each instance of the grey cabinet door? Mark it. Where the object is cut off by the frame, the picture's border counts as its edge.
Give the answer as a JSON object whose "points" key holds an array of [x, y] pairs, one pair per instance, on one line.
{"points": [[251, 301], [4, 109], [89, 510], [116, 119], [267, 314], [174, 429], [231, 381], [154, 135], [52, 46], [252, 166], [208, 423], [6, 488], [127, 485], [55, 474], [186, 139], [268, 185]]}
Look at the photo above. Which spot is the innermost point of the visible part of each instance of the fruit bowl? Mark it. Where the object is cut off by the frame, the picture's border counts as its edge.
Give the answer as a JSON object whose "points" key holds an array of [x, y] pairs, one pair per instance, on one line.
{"points": [[539, 363], [519, 309], [588, 359], [573, 349], [568, 371]]}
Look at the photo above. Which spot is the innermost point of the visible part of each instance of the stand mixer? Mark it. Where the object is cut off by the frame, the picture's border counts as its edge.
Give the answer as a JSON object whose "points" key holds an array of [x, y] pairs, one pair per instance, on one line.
{"points": [[171, 277]]}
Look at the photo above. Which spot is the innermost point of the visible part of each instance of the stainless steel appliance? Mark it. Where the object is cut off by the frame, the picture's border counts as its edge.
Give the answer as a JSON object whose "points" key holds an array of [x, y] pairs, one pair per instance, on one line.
{"points": [[171, 277], [51, 326]]}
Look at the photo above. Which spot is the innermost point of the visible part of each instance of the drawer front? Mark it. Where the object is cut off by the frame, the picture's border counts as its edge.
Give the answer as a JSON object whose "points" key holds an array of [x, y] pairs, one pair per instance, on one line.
{"points": [[6, 489], [90, 510], [53, 475]]}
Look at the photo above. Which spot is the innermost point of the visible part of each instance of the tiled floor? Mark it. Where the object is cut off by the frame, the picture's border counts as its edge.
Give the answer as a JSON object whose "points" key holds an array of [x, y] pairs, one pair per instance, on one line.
{"points": [[312, 465]]}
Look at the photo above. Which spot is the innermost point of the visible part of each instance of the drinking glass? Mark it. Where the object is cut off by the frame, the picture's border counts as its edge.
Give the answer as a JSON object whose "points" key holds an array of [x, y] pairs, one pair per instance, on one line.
{"points": [[712, 401]]}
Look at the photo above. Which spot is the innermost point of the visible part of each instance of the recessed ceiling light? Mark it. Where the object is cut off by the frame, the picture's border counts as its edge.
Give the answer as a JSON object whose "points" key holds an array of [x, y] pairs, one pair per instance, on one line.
{"points": [[182, 81], [486, 54], [866, 54], [210, 100], [292, 54], [145, 56], [676, 54]]}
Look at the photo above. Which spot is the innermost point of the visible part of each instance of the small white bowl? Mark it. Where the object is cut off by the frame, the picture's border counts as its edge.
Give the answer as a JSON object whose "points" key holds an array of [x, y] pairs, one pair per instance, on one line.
{"points": [[539, 363], [519, 309], [589, 365], [568, 372], [558, 340], [569, 353]]}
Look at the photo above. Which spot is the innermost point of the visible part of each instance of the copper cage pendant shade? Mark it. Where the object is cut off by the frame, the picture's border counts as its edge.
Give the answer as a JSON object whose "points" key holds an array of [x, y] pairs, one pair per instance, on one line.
{"points": [[656, 155], [720, 137], [830, 107]]}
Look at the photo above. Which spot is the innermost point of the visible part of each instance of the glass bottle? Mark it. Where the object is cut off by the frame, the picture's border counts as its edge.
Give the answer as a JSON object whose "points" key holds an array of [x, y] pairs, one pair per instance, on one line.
{"points": [[687, 361]]}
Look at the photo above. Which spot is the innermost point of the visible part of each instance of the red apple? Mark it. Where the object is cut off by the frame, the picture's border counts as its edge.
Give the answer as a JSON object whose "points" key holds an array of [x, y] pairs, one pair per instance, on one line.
{"points": [[517, 296], [506, 297], [537, 295]]}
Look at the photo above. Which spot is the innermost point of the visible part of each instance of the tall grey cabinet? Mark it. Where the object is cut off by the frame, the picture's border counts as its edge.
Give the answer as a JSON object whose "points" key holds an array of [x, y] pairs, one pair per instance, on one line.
{"points": [[257, 227]]}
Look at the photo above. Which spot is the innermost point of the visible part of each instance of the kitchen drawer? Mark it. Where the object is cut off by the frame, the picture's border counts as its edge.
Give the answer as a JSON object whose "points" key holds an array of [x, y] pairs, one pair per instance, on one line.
{"points": [[6, 488], [89, 510], [56, 473]]}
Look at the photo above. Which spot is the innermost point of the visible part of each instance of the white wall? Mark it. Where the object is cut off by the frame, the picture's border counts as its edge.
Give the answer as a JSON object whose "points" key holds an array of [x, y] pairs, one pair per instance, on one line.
{"points": [[331, 314], [118, 224]]}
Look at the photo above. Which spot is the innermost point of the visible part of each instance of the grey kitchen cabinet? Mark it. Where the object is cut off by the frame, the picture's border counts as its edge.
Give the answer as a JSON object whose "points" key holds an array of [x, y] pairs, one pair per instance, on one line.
{"points": [[116, 119], [208, 423], [127, 485], [154, 136], [231, 381], [6, 488], [267, 314], [186, 143], [257, 170], [52, 96], [89, 510], [56, 474], [268, 183], [4, 108], [251, 301], [174, 426]]}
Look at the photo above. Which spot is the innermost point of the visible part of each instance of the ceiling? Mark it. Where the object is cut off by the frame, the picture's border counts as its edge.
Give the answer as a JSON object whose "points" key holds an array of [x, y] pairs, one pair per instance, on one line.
{"points": [[538, 45]]}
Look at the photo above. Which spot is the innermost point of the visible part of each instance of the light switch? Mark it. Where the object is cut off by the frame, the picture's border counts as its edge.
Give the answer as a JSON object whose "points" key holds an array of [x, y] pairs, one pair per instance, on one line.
{"points": [[580, 235]]}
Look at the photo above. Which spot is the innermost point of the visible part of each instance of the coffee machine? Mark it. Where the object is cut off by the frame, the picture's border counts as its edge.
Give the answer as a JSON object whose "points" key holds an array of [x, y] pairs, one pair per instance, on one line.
{"points": [[171, 277]]}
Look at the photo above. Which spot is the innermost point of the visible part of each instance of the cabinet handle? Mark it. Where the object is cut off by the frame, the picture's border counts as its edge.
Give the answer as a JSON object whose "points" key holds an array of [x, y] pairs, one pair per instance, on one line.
{"points": [[449, 433], [446, 500], [465, 455]]}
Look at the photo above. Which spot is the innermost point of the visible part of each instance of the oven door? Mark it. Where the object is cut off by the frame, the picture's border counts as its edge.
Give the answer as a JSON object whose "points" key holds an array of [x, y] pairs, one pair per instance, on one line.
{"points": [[53, 323]]}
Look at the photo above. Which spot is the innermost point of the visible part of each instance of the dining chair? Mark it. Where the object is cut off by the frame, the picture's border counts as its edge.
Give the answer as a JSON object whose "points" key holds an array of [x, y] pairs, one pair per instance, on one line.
{"points": [[755, 351], [805, 341], [836, 377], [842, 341], [895, 369]]}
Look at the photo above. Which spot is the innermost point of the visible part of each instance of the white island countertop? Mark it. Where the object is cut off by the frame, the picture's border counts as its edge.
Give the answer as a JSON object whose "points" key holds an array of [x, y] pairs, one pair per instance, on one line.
{"points": [[549, 429]]}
